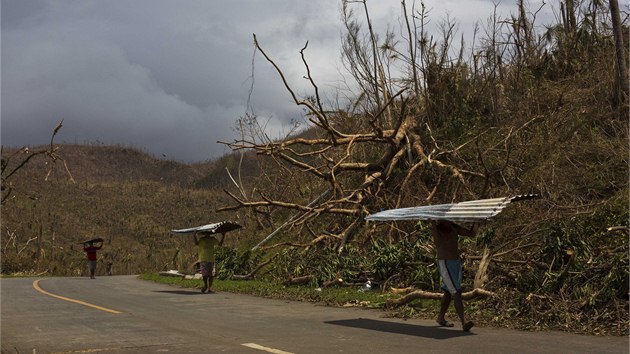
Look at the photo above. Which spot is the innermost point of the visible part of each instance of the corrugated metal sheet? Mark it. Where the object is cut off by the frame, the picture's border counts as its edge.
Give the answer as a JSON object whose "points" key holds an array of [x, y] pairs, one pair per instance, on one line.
{"points": [[216, 228], [470, 211]]}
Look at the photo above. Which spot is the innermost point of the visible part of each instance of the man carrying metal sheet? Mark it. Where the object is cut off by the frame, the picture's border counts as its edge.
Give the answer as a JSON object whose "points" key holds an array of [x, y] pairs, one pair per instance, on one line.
{"points": [[90, 250], [206, 245], [445, 238]]}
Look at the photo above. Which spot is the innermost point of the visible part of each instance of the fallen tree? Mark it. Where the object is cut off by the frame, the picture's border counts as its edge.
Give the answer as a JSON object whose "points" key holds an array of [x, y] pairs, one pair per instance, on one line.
{"points": [[420, 294]]}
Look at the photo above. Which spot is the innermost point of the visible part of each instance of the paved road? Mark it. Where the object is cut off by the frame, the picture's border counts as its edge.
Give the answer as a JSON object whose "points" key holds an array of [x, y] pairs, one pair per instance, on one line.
{"points": [[135, 316]]}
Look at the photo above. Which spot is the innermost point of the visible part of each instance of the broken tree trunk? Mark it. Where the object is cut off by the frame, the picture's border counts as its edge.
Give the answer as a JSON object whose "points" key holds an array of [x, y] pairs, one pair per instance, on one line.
{"points": [[420, 294], [299, 280], [482, 272], [253, 272]]}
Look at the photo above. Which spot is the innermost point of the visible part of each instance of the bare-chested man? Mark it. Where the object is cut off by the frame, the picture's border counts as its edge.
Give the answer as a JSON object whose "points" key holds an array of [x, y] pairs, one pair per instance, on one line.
{"points": [[445, 238]]}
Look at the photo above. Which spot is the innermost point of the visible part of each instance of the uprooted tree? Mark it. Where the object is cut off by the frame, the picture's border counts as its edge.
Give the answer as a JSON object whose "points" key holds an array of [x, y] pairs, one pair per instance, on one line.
{"points": [[428, 127], [366, 157]]}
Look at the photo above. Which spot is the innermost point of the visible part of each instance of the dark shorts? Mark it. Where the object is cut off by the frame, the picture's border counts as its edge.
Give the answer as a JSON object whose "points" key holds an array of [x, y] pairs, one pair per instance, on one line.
{"points": [[91, 265], [206, 268], [451, 273]]}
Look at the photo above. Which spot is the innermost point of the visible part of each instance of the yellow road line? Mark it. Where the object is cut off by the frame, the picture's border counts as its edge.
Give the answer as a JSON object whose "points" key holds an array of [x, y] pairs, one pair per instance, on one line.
{"points": [[38, 288], [100, 350], [265, 349]]}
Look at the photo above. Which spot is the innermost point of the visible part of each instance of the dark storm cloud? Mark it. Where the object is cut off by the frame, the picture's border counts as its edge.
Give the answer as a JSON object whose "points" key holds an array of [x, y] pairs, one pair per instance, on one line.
{"points": [[168, 77]]}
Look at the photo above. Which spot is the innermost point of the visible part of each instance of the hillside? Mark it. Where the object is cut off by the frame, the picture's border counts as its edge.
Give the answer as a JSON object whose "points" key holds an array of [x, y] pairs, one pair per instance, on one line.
{"points": [[101, 164], [125, 196]]}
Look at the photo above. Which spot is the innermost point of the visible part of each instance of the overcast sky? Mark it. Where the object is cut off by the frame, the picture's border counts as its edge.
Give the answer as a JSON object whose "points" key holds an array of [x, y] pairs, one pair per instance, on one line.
{"points": [[172, 77]]}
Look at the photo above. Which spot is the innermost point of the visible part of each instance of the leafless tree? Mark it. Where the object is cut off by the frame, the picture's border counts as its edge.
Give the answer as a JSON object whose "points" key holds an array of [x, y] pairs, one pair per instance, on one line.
{"points": [[361, 160], [620, 47], [23, 155]]}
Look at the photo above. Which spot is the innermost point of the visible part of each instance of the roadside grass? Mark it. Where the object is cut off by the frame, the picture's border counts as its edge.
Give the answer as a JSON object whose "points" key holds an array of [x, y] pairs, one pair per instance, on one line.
{"points": [[332, 296]]}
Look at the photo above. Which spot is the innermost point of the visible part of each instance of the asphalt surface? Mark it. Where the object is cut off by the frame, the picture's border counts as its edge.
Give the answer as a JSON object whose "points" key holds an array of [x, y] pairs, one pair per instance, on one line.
{"points": [[122, 314]]}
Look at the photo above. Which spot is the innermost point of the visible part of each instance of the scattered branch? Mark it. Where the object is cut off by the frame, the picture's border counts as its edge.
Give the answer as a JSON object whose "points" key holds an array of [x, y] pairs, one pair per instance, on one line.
{"points": [[420, 294]]}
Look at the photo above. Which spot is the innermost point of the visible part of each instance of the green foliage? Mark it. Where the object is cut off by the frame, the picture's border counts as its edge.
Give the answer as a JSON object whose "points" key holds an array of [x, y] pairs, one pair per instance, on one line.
{"points": [[597, 272], [231, 261], [388, 258], [385, 264], [485, 237]]}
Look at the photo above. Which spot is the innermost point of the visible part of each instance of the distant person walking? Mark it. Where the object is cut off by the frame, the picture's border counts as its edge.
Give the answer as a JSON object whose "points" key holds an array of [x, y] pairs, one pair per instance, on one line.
{"points": [[206, 246], [90, 250], [445, 237]]}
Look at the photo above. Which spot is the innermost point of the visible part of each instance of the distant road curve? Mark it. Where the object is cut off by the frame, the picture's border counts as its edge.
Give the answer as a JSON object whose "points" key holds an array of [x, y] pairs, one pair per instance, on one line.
{"points": [[38, 288], [122, 314]]}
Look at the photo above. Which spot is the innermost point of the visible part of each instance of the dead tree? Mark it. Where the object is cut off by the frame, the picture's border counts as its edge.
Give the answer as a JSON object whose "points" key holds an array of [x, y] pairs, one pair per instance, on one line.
{"points": [[419, 294], [366, 161], [620, 47], [23, 156], [253, 272]]}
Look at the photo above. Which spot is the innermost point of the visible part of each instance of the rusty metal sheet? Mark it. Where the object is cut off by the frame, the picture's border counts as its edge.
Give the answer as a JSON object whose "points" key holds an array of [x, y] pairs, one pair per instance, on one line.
{"points": [[215, 228], [470, 211]]}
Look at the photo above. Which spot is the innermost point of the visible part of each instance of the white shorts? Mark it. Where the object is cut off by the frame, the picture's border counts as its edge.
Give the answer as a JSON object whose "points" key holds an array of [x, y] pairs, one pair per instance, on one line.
{"points": [[451, 273]]}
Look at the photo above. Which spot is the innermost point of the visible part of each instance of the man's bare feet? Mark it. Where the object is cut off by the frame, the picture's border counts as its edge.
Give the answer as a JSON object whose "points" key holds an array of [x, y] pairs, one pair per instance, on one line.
{"points": [[467, 326]]}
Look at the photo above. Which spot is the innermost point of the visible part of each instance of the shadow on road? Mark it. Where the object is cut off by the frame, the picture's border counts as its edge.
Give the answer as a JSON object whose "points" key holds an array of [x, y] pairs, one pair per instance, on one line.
{"points": [[181, 292], [401, 328]]}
